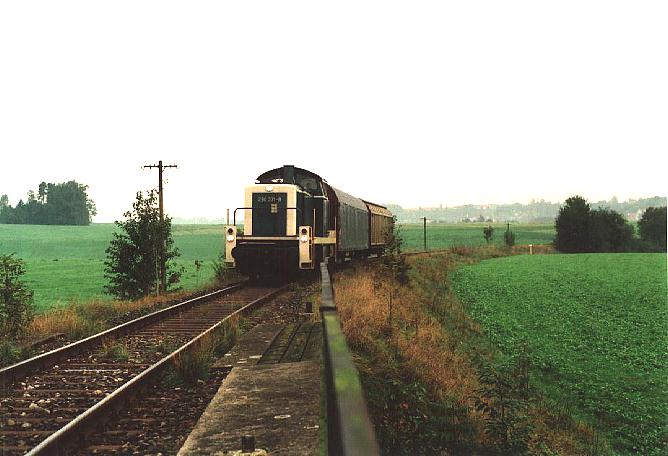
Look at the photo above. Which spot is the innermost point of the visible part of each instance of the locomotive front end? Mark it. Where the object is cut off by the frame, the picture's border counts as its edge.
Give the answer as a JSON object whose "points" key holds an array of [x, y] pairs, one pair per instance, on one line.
{"points": [[282, 212], [269, 239]]}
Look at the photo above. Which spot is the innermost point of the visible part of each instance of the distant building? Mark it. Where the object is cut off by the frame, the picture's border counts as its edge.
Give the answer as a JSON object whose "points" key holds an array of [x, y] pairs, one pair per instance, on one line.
{"points": [[635, 216]]}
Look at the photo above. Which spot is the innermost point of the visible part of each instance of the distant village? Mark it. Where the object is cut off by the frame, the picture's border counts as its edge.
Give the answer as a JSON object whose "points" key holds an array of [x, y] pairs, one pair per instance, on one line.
{"points": [[535, 212]]}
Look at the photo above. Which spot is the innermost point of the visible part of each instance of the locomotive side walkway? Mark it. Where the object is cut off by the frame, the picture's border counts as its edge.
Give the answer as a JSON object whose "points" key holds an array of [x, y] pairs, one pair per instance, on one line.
{"points": [[272, 394]]}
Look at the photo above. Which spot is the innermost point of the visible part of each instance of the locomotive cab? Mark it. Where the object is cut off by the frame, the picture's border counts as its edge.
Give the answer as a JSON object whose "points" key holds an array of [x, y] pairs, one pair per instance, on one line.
{"points": [[285, 212], [293, 219]]}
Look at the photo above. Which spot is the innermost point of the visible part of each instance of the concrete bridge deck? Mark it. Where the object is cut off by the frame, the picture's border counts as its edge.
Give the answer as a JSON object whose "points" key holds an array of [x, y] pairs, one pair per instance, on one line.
{"points": [[272, 394]]}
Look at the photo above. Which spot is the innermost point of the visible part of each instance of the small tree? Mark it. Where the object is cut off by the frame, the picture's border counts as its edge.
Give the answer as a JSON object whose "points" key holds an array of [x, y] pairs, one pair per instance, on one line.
{"points": [[652, 226], [610, 232], [393, 262], [488, 232], [509, 237], [573, 226], [580, 229], [393, 266], [16, 300], [134, 254], [5, 209]]}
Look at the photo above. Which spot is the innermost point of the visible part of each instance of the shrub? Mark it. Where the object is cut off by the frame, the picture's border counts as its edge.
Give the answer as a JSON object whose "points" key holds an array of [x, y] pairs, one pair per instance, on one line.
{"points": [[509, 237], [652, 226], [222, 274], [573, 226], [610, 232], [488, 232], [580, 229], [413, 421], [9, 353], [504, 399], [393, 263], [135, 254], [16, 300]]}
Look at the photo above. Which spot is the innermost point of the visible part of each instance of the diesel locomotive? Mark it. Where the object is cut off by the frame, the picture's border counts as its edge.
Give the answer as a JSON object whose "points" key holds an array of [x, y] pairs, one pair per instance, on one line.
{"points": [[293, 219]]}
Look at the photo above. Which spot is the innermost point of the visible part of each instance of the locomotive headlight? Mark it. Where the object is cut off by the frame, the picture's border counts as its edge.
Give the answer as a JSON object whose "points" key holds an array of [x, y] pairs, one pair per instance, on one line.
{"points": [[269, 188], [230, 244], [303, 238]]}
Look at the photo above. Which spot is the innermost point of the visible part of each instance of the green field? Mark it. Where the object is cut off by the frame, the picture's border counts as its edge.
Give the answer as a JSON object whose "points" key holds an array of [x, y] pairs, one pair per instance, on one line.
{"points": [[596, 326], [66, 263], [441, 236]]}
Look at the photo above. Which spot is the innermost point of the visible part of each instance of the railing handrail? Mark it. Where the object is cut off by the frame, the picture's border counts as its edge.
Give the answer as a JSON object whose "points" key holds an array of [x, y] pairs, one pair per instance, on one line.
{"points": [[349, 428]]}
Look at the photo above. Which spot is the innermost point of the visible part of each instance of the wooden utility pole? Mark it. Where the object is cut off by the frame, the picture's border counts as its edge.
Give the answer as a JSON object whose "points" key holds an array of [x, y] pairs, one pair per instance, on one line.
{"points": [[163, 266], [424, 232]]}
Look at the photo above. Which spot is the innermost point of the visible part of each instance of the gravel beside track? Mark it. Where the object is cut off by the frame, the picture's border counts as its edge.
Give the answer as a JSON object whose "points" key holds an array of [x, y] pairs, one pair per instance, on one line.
{"points": [[163, 420], [36, 406], [54, 341]]}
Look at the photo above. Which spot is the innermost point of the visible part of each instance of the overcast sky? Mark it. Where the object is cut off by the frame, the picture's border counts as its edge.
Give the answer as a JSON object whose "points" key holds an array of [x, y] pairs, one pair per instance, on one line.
{"points": [[414, 103]]}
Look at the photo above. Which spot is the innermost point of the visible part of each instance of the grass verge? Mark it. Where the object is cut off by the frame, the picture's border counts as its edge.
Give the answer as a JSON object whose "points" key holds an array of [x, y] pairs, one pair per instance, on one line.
{"points": [[435, 383], [594, 330]]}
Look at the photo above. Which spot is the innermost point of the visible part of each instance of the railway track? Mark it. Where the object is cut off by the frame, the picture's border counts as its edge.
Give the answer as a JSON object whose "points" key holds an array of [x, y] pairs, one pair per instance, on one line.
{"points": [[52, 401]]}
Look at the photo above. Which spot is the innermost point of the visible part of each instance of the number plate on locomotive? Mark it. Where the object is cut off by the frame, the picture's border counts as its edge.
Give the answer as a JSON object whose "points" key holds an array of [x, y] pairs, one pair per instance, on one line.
{"points": [[269, 199]]}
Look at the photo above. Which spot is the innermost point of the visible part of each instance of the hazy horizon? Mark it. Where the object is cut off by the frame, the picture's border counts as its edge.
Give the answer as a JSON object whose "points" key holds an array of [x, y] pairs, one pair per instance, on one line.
{"points": [[203, 220], [222, 216]]}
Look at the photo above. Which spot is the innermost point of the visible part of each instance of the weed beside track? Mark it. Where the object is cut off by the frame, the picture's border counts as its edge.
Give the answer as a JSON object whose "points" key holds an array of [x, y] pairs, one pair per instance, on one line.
{"points": [[435, 383]]}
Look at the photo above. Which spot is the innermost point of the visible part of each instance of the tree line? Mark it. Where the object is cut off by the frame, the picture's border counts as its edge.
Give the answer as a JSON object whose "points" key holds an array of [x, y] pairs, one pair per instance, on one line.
{"points": [[537, 211], [581, 229], [66, 203]]}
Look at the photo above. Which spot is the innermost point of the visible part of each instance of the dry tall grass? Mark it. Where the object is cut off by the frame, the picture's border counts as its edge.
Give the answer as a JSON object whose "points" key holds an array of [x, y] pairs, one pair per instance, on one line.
{"points": [[420, 339], [83, 319], [413, 335], [427, 338], [194, 364]]}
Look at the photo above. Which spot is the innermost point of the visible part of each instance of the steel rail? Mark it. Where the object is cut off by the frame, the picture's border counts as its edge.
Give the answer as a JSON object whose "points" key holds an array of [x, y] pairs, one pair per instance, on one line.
{"points": [[75, 431], [10, 373]]}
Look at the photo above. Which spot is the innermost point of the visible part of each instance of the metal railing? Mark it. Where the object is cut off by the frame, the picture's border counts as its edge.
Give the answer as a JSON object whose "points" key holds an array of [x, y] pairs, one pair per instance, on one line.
{"points": [[349, 429]]}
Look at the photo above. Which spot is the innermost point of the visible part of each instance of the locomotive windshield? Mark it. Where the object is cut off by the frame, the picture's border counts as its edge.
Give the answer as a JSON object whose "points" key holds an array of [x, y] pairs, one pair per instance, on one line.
{"points": [[308, 181]]}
